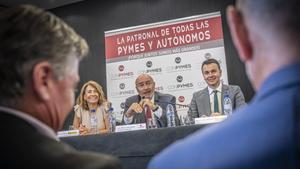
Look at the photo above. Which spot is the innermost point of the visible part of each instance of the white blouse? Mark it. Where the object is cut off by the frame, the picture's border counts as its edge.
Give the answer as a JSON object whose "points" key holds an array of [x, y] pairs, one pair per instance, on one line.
{"points": [[84, 116]]}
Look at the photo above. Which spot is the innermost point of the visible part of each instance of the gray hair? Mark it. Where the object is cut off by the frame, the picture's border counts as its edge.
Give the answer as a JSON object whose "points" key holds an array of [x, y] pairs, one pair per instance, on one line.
{"points": [[29, 35], [141, 75]]}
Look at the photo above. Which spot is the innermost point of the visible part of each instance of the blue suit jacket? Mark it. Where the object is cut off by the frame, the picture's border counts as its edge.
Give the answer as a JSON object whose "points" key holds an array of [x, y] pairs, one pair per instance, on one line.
{"points": [[264, 134]]}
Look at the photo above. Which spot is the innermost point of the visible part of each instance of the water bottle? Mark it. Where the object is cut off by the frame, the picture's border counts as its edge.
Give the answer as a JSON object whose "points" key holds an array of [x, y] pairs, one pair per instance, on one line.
{"points": [[227, 105], [112, 120], [189, 116], [182, 120], [94, 122], [170, 116]]}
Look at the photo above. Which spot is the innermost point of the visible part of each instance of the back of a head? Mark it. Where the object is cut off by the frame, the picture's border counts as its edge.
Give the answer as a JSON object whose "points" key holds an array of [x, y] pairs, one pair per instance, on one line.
{"points": [[29, 35], [279, 15]]}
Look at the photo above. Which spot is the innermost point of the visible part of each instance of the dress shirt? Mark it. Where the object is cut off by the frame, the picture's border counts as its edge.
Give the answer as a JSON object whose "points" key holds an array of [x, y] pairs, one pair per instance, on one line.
{"points": [[211, 97]]}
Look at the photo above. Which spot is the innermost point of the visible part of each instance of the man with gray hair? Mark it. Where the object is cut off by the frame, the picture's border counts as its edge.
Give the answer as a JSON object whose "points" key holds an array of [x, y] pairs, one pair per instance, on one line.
{"points": [[39, 59], [266, 132]]}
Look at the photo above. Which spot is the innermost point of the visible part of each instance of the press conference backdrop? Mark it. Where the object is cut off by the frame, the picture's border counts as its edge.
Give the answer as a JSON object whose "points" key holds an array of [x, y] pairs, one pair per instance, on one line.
{"points": [[91, 18], [171, 51]]}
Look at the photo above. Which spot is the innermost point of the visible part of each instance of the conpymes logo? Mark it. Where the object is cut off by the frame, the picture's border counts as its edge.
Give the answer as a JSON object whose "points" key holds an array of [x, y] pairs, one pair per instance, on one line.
{"points": [[207, 55], [121, 73], [122, 92], [121, 68], [181, 67], [179, 78], [149, 64], [180, 85], [122, 86], [181, 99], [177, 60]]}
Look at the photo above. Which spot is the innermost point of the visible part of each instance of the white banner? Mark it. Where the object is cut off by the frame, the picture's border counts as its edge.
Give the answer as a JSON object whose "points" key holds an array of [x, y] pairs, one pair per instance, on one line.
{"points": [[172, 52]]}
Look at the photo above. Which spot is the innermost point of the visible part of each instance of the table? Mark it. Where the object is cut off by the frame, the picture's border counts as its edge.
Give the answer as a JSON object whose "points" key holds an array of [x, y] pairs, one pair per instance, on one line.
{"points": [[133, 148]]}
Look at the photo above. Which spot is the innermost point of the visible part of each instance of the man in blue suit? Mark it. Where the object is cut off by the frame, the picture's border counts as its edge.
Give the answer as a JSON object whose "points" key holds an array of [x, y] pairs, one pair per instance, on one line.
{"points": [[265, 133]]}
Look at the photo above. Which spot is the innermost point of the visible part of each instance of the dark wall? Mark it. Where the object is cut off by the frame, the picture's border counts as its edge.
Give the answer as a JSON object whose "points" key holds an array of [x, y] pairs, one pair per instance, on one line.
{"points": [[91, 18]]}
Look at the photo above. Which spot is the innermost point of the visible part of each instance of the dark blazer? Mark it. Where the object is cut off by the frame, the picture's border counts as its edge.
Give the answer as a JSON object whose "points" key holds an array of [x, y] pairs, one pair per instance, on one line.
{"points": [[22, 146], [200, 104], [159, 99]]}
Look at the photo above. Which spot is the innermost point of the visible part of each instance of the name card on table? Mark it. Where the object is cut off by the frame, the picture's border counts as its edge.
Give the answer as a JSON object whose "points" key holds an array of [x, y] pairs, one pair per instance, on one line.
{"points": [[208, 120], [68, 133], [131, 127]]}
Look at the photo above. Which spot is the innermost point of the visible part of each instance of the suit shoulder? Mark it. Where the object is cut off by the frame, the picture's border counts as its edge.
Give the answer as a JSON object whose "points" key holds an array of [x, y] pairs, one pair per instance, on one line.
{"points": [[133, 98], [232, 87], [164, 95], [200, 92]]}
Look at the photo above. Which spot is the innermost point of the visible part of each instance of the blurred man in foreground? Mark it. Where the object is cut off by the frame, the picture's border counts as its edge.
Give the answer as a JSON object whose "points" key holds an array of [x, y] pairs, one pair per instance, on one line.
{"points": [[39, 58], [266, 133]]}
